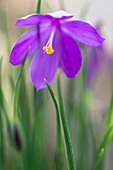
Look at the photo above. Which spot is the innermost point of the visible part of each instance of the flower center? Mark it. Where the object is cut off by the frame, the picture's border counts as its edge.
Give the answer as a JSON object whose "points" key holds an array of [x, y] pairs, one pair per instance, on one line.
{"points": [[48, 47]]}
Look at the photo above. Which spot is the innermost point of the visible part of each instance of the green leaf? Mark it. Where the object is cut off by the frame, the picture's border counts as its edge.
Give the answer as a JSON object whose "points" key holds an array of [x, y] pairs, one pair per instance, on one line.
{"points": [[59, 151], [65, 129], [105, 141], [64, 126]]}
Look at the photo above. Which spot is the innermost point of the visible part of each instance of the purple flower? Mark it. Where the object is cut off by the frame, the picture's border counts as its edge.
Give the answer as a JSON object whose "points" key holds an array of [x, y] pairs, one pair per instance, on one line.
{"points": [[52, 43], [97, 60]]}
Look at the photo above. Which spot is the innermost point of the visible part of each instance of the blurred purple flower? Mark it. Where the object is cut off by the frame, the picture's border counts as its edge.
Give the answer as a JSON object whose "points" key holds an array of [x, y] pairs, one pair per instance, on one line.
{"points": [[96, 59], [52, 44]]}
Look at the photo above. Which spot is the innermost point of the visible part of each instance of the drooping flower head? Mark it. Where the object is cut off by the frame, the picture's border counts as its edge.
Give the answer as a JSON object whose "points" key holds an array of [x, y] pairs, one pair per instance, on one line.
{"points": [[52, 42]]}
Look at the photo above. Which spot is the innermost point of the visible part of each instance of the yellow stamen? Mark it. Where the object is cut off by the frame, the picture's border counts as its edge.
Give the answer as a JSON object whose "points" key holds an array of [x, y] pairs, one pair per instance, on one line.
{"points": [[48, 49]]}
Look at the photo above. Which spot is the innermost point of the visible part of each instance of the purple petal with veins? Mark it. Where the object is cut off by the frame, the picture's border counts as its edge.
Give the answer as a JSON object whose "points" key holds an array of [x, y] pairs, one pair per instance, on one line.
{"points": [[52, 45]]}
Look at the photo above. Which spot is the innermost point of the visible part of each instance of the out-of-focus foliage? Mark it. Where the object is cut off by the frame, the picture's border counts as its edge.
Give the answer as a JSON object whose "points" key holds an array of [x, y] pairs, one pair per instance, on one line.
{"points": [[29, 141]]}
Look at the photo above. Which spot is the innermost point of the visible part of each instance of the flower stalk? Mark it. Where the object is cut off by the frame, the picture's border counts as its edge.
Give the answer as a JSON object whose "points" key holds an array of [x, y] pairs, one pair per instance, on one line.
{"points": [[1, 127], [100, 154], [17, 89], [63, 124], [58, 128], [107, 136], [65, 129], [109, 120], [38, 6]]}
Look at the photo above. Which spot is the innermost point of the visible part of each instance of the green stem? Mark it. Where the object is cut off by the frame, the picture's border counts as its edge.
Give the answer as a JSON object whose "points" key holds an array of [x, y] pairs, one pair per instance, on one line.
{"points": [[38, 9], [107, 136], [85, 9], [48, 6], [61, 4], [58, 154], [59, 151], [5, 25], [66, 134], [1, 142], [3, 111], [109, 120], [17, 89], [100, 154], [1, 127]]}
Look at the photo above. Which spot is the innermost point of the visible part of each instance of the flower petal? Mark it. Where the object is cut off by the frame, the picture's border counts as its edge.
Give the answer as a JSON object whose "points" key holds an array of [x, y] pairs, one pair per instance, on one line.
{"points": [[71, 58], [60, 14], [44, 66], [28, 40], [83, 32], [33, 20]]}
